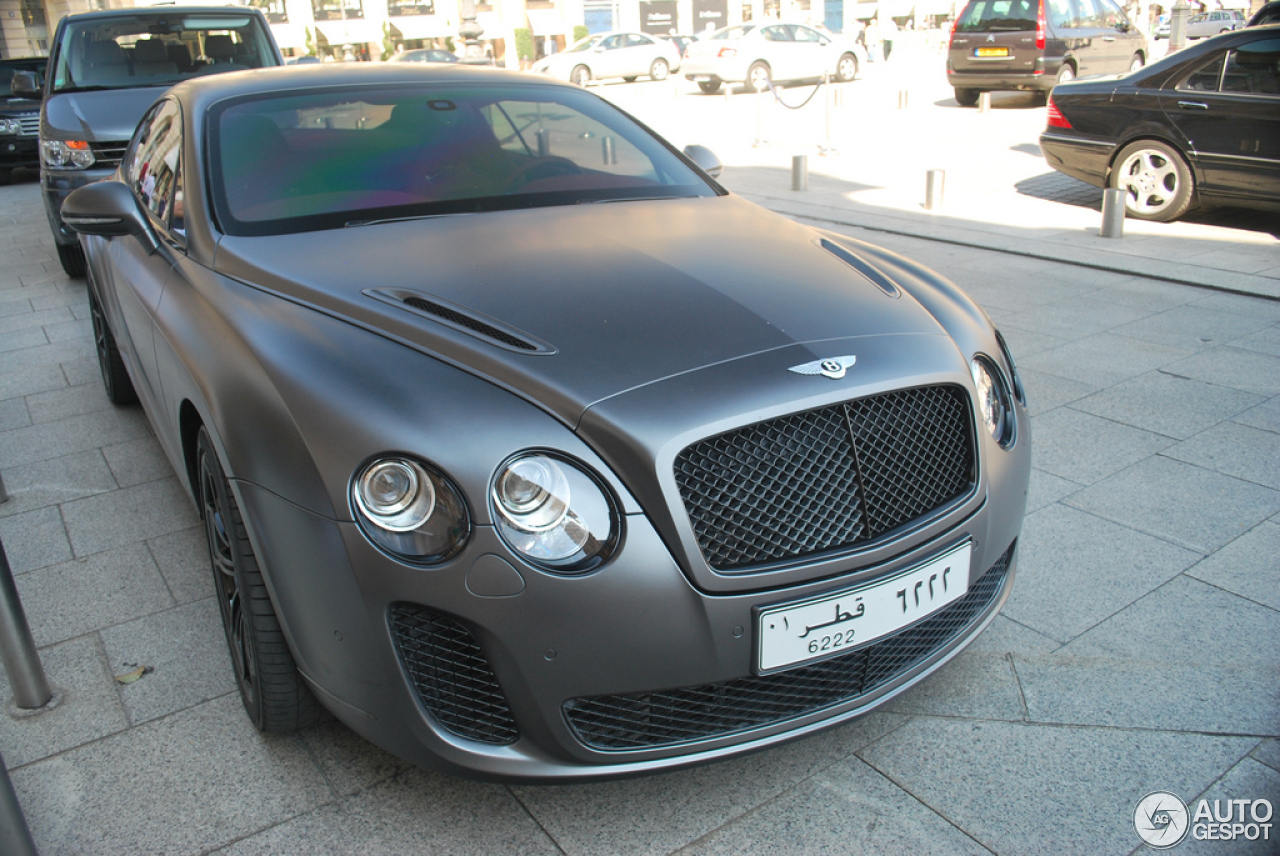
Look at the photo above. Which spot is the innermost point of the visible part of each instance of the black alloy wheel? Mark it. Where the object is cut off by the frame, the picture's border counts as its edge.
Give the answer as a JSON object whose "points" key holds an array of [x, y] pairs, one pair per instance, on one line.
{"points": [[115, 378], [274, 693]]}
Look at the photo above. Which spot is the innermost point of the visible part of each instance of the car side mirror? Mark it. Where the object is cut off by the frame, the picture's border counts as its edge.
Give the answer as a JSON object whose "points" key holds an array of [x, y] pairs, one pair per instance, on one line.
{"points": [[108, 209], [705, 159], [26, 83]]}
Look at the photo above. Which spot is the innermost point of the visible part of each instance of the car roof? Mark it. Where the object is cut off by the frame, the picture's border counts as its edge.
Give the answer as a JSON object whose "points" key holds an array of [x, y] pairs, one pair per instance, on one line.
{"points": [[164, 12]]}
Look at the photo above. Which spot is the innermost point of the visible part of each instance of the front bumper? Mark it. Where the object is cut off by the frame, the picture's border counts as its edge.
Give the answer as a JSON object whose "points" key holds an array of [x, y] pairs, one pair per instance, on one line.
{"points": [[488, 668], [56, 186], [19, 151]]}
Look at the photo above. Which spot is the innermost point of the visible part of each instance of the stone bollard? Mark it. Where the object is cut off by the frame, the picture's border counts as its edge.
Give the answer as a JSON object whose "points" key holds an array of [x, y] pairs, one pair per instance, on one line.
{"points": [[1113, 212], [934, 181], [800, 172]]}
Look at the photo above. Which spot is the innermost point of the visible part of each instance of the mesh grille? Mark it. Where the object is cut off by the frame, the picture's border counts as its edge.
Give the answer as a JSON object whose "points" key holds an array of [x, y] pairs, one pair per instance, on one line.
{"points": [[650, 720], [451, 675], [827, 478], [467, 322], [29, 123]]}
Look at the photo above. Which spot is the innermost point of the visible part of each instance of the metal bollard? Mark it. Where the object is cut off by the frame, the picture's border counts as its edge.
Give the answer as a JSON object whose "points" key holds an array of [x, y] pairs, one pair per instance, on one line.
{"points": [[4, 494], [543, 136], [17, 647], [934, 181], [903, 98], [15, 836], [984, 102], [800, 172], [1113, 212], [610, 154]]}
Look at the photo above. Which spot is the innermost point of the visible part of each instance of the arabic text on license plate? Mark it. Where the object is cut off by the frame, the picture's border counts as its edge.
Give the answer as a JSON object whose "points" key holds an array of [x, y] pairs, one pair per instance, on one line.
{"points": [[832, 624], [993, 51]]}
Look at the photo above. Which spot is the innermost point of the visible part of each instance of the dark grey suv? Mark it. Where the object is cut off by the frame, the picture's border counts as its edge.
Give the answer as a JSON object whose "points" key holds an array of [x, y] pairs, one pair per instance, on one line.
{"points": [[107, 68], [1036, 44]]}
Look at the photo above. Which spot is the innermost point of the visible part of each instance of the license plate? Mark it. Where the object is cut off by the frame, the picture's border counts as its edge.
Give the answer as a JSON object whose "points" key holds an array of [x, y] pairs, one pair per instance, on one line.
{"points": [[794, 633], [991, 52]]}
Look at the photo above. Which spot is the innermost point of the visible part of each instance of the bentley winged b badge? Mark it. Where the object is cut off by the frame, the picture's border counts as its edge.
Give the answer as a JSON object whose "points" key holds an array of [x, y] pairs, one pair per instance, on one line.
{"points": [[832, 367]]}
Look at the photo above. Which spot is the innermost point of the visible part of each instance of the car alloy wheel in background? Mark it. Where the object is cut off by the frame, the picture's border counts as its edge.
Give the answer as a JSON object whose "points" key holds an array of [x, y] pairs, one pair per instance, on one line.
{"points": [[1157, 184]]}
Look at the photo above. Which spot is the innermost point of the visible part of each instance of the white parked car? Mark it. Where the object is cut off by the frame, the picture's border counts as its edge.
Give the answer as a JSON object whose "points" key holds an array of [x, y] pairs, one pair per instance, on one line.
{"points": [[1212, 23], [758, 53], [606, 55]]}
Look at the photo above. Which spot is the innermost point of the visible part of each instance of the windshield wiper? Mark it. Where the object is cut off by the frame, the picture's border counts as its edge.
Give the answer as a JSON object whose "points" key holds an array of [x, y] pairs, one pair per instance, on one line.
{"points": [[635, 199], [351, 224]]}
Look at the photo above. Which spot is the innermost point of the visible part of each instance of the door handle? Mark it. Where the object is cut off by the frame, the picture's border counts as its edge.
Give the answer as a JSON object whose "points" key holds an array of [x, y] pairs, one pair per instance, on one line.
{"points": [[1193, 105]]}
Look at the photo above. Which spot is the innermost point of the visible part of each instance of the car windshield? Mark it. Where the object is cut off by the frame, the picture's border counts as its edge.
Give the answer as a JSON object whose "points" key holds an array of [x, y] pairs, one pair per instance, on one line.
{"points": [[157, 50], [301, 161]]}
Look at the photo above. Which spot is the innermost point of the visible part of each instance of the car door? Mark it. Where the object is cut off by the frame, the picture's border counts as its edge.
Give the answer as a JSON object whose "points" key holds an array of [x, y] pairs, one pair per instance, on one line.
{"points": [[778, 49], [1234, 127], [136, 276], [1115, 45], [812, 52]]}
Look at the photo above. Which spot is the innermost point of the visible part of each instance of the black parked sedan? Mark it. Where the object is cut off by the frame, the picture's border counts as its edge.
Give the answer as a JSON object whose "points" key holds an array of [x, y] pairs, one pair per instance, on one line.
{"points": [[1201, 125], [526, 449]]}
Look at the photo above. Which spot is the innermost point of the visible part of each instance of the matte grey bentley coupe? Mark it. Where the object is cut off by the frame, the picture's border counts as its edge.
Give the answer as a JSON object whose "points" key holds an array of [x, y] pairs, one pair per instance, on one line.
{"points": [[523, 447]]}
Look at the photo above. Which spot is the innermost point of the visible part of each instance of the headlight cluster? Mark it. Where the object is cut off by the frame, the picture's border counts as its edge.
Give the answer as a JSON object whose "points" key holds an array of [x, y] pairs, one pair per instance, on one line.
{"points": [[553, 513], [410, 510], [994, 403], [66, 154], [10, 126]]}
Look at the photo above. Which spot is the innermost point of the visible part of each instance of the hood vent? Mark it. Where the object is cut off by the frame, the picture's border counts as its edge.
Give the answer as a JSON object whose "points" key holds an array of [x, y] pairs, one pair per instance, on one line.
{"points": [[460, 318], [861, 265]]}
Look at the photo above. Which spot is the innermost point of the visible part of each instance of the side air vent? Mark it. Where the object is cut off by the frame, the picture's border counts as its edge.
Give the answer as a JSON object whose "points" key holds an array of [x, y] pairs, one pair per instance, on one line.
{"points": [[861, 265], [462, 319]]}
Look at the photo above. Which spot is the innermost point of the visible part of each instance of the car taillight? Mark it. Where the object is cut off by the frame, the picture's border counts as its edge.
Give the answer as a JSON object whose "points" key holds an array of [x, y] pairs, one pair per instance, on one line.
{"points": [[727, 52], [1056, 119], [1040, 27]]}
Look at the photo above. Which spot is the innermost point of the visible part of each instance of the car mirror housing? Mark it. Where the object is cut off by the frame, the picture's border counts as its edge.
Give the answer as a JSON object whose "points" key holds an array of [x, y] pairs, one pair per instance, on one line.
{"points": [[704, 159], [108, 209], [26, 83]]}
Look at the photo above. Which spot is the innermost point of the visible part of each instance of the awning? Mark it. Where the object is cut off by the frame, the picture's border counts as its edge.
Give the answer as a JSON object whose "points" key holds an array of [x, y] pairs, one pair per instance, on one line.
{"points": [[420, 26], [353, 32]]}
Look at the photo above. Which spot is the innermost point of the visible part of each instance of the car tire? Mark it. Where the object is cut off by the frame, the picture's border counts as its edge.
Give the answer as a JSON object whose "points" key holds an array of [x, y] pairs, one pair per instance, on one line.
{"points": [[967, 97], [1136, 63], [1066, 74], [847, 68], [660, 69], [709, 87], [72, 258], [631, 79], [115, 378], [275, 696], [759, 76], [1157, 183], [580, 75]]}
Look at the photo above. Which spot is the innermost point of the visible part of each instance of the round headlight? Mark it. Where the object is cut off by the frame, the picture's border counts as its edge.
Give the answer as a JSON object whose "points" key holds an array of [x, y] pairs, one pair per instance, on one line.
{"points": [[993, 400], [553, 513], [410, 509]]}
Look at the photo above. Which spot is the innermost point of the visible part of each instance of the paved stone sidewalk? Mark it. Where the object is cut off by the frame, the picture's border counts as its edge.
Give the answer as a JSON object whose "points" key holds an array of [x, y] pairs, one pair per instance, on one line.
{"points": [[1140, 650]]}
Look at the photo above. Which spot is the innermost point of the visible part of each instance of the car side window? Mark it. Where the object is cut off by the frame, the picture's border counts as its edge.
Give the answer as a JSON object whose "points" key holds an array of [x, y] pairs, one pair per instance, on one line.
{"points": [[1253, 69], [1205, 78], [804, 34], [611, 43], [153, 171], [1109, 14], [775, 34], [1061, 14]]}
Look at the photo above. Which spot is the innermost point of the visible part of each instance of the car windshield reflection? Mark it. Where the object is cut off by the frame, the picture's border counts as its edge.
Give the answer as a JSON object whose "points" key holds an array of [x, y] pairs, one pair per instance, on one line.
{"points": [[328, 158]]}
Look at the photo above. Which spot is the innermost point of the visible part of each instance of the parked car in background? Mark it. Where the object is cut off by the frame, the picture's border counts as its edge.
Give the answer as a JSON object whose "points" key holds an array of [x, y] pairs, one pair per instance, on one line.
{"points": [[533, 464], [1268, 14], [756, 54], [106, 68], [609, 55], [1035, 44], [1208, 24], [1199, 126], [19, 116], [1163, 25], [424, 55], [681, 42]]}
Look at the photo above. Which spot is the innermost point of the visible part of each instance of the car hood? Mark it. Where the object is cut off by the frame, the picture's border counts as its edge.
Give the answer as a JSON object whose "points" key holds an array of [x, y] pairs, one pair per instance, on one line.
{"points": [[97, 115], [572, 305]]}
